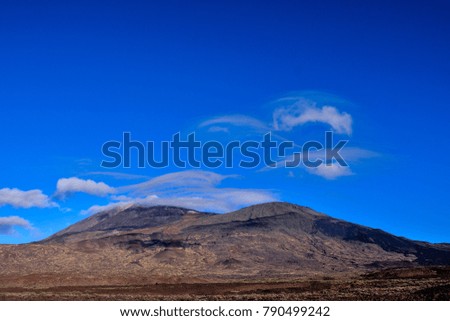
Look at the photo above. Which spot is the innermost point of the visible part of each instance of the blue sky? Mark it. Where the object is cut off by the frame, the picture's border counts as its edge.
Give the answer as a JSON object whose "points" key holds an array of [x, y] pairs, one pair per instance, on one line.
{"points": [[77, 74]]}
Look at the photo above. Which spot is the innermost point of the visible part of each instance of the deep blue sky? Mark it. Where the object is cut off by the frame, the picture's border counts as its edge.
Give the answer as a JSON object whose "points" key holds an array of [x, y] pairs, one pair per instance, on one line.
{"points": [[76, 74]]}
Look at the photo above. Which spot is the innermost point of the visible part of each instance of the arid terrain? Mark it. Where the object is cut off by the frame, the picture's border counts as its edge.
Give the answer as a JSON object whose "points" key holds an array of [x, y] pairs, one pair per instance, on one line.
{"points": [[394, 284], [273, 251]]}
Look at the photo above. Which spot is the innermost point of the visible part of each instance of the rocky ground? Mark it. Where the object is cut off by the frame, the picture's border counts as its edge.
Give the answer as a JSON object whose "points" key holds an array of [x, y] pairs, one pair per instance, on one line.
{"points": [[431, 283]]}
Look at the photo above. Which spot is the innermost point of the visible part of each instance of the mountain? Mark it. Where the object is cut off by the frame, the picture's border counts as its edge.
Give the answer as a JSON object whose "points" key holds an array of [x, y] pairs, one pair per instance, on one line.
{"points": [[282, 241]]}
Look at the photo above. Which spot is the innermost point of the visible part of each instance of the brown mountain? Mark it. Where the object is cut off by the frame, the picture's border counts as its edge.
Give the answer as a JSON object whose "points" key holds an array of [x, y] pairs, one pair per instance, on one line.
{"points": [[164, 244]]}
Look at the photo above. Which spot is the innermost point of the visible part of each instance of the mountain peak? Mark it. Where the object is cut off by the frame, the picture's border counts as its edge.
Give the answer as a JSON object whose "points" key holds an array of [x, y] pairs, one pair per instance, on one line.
{"points": [[277, 208], [133, 216], [267, 225]]}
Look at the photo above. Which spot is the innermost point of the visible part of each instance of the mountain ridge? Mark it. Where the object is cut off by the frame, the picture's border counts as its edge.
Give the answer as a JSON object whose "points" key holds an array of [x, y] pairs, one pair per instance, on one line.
{"points": [[172, 222], [268, 241]]}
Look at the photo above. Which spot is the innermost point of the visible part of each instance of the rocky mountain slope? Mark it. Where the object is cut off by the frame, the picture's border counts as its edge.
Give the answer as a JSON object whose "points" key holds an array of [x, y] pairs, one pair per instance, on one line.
{"points": [[169, 244]]}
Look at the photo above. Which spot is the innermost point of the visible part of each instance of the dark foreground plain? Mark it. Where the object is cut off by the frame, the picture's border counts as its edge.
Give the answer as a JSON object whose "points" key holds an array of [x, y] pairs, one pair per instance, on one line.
{"points": [[274, 251], [432, 283]]}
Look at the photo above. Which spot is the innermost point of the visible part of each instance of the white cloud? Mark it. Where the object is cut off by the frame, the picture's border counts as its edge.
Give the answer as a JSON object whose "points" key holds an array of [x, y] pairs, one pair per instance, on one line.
{"points": [[99, 208], [70, 185], [24, 199], [198, 190], [7, 224], [294, 111], [235, 120], [331, 171], [302, 112]]}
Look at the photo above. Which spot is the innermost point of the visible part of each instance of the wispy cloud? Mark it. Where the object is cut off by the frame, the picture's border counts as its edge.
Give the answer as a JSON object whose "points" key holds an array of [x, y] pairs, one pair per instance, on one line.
{"points": [[235, 120], [186, 180], [100, 208], [218, 129], [25, 199], [8, 224], [71, 185], [289, 113], [199, 190], [116, 175], [349, 154], [293, 111], [302, 112]]}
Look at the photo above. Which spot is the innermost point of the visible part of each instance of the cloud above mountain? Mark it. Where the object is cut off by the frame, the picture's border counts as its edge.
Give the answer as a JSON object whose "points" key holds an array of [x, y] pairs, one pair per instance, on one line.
{"points": [[194, 189], [71, 185], [197, 189], [25, 199], [8, 224]]}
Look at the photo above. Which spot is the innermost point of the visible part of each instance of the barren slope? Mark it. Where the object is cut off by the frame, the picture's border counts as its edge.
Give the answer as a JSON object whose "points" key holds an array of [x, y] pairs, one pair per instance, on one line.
{"points": [[137, 245]]}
